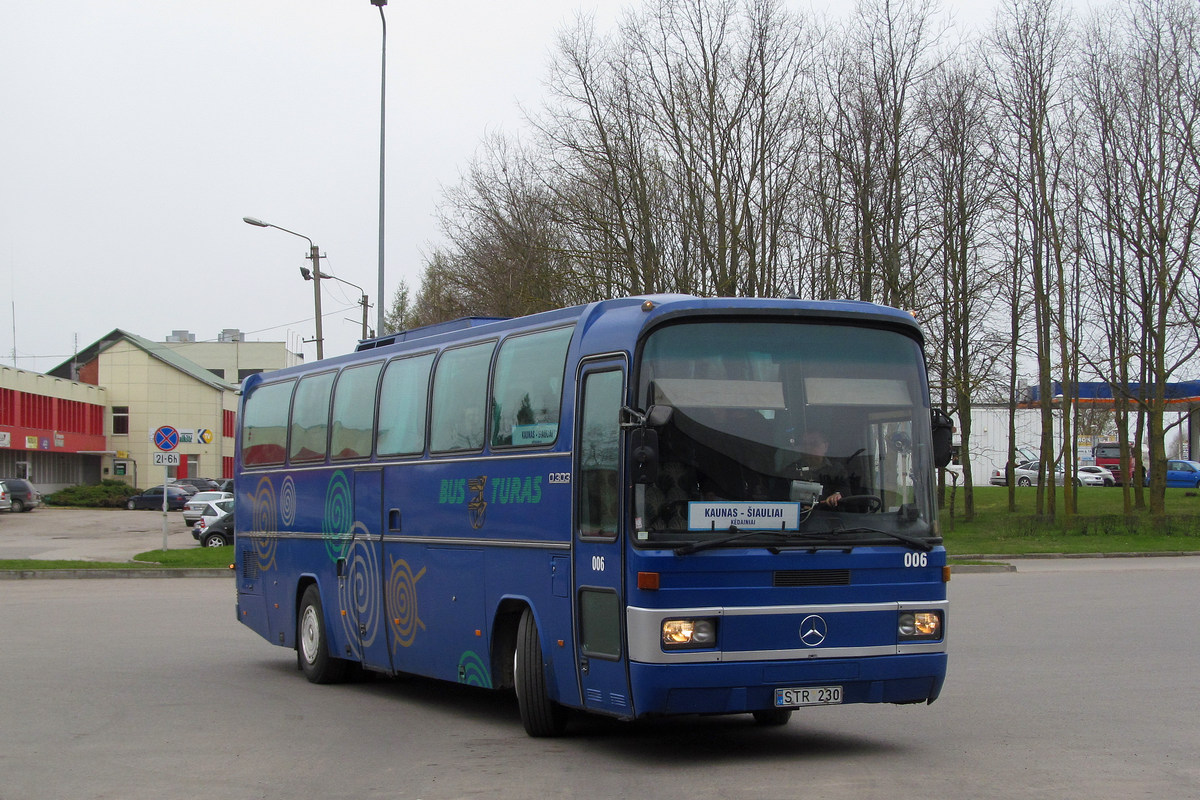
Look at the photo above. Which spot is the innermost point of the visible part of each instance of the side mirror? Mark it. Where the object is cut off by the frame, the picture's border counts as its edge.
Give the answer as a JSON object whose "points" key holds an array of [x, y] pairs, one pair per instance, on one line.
{"points": [[643, 455], [657, 416], [943, 430]]}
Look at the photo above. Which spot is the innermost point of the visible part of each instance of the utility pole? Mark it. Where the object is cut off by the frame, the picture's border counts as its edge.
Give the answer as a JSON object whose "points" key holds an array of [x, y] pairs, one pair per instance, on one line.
{"points": [[315, 256]]}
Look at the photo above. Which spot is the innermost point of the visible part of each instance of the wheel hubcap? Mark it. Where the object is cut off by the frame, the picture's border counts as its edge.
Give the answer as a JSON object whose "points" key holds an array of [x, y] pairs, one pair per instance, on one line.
{"points": [[308, 635]]}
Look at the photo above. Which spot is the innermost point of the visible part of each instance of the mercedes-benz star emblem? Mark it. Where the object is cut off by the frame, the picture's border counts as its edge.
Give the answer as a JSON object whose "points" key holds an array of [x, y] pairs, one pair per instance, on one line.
{"points": [[813, 630]]}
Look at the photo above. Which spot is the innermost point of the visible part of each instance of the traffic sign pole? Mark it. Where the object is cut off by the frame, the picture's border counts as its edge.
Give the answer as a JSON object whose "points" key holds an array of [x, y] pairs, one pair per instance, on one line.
{"points": [[166, 439]]}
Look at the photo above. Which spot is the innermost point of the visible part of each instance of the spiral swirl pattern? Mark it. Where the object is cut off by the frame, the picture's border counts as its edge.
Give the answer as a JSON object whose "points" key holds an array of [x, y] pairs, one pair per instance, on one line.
{"points": [[287, 502], [263, 521], [359, 594], [339, 516], [473, 671], [402, 603]]}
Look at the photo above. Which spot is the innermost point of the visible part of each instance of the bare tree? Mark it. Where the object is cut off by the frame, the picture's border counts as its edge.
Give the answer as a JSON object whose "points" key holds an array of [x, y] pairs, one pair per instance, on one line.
{"points": [[1144, 95], [961, 189], [1030, 51]]}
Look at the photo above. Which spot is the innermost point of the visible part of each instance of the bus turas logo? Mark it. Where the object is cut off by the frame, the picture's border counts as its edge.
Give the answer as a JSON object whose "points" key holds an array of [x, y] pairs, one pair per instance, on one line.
{"points": [[478, 493]]}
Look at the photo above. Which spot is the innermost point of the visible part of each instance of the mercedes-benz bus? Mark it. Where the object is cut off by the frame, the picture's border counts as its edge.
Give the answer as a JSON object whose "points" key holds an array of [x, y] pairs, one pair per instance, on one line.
{"points": [[640, 507]]}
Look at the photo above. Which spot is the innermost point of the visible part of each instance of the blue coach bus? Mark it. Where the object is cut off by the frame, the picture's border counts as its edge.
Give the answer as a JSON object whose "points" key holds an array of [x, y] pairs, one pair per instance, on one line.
{"points": [[645, 506]]}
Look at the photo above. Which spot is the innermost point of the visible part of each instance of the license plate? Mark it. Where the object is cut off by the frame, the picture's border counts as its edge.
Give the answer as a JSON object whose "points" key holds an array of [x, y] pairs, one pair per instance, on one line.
{"points": [[809, 696]]}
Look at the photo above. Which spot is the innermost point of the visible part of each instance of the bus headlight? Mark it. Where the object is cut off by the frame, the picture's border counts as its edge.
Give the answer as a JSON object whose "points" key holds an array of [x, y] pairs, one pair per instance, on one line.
{"points": [[916, 626], [681, 634]]}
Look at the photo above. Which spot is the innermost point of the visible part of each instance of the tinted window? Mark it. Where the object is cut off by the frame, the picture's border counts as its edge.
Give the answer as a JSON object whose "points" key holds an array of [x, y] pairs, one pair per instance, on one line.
{"points": [[402, 403], [527, 388], [354, 412], [310, 418], [460, 398], [264, 428], [599, 454]]}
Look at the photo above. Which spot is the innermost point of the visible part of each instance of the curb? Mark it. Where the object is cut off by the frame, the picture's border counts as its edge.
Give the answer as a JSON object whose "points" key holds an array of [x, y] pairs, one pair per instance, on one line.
{"points": [[967, 569], [1010, 557], [70, 574]]}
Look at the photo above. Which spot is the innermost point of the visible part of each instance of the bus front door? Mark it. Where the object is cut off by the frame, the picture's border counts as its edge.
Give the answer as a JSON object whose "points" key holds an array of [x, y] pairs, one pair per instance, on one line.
{"points": [[599, 565]]}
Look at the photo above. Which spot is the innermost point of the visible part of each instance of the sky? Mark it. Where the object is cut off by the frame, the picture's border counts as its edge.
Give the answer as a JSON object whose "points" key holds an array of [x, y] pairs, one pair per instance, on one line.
{"points": [[135, 136]]}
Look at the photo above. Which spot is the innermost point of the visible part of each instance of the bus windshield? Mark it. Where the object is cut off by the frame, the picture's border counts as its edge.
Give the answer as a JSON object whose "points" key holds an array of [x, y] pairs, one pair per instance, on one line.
{"points": [[795, 430]]}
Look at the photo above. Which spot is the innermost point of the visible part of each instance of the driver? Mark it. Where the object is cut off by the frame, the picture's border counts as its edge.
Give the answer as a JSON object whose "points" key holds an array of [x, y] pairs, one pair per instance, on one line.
{"points": [[814, 446]]}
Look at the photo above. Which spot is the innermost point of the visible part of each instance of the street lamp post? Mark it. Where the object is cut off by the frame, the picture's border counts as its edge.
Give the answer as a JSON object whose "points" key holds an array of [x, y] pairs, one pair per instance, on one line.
{"points": [[308, 276], [382, 120], [314, 254]]}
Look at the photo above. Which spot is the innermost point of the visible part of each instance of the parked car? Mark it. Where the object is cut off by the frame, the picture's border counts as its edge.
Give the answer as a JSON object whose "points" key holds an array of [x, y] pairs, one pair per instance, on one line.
{"points": [[5, 499], [198, 484], [1091, 475], [217, 533], [213, 509], [22, 493], [1027, 474], [1181, 474], [201, 504], [152, 498], [227, 485]]}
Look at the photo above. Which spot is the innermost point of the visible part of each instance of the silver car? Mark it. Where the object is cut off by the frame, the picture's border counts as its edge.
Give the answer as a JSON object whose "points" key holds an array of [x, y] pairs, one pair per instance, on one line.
{"points": [[5, 498], [204, 504], [1027, 474]]}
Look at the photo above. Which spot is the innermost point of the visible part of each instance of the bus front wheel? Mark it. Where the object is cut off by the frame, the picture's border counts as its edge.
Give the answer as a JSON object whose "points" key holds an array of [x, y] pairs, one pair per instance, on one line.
{"points": [[540, 715], [312, 642]]}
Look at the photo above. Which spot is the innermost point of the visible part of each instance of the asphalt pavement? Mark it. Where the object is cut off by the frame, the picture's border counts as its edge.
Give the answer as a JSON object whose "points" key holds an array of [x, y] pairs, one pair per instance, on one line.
{"points": [[89, 534]]}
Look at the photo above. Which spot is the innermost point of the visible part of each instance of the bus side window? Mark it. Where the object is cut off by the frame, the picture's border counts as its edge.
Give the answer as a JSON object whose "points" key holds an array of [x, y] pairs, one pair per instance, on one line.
{"points": [[599, 454], [354, 412], [310, 418], [403, 399], [264, 430], [527, 389], [460, 398]]}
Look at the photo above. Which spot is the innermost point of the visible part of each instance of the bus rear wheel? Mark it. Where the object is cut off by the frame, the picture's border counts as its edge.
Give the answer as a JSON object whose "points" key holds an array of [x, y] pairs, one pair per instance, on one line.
{"points": [[540, 715], [312, 642]]}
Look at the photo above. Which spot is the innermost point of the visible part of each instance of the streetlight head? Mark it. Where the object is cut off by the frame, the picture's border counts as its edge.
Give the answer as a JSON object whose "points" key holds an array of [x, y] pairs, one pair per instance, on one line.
{"points": [[256, 222], [307, 273], [380, 3]]}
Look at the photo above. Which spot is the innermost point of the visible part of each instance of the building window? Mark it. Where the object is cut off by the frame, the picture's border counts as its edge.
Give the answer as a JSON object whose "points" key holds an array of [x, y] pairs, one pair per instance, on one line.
{"points": [[120, 420]]}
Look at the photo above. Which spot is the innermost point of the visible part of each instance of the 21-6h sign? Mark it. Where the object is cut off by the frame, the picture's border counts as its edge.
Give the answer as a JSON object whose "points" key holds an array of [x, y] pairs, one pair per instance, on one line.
{"points": [[166, 459]]}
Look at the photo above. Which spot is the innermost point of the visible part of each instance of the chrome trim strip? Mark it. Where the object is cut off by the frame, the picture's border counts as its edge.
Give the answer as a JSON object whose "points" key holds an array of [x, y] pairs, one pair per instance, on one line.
{"points": [[439, 459], [644, 625], [433, 540]]}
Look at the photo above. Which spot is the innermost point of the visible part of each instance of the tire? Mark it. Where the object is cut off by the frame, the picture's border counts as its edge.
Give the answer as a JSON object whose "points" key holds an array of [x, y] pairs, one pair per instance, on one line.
{"points": [[17, 506], [214, 540], [1024, 482], [772, 717], [129, 504], [312, 642], [540, 715]]}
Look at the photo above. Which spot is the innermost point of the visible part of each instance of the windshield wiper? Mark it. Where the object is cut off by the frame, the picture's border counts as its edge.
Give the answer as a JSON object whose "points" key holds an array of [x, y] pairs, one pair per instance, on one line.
{"points": [[911, 541], [734, 535]]}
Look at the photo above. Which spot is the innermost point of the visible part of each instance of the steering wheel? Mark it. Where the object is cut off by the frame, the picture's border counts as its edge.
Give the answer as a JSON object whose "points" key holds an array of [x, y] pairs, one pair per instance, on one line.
{"points": [[870, 503]]}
